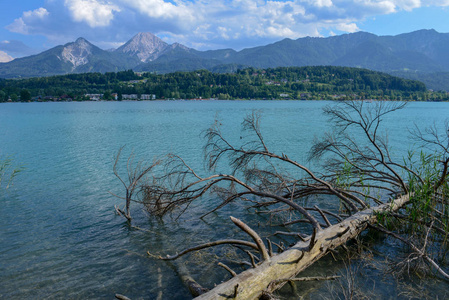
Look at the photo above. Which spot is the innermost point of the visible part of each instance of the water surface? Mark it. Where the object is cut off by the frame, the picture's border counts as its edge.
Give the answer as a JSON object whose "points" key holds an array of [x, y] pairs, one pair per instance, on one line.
{"points": [[59, 236]]}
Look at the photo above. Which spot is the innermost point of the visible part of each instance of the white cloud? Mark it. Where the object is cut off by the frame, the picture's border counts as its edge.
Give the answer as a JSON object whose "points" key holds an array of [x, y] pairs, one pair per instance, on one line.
{"points": [[22, 24], [204, 23], [243, 19], [4, 57], [39, 13], [409, 5], [18, 26], [436, 3], [160, 8], [279, 31], [377, 7], [351, 27], [223, 31], [319, 3], [94, 13]]}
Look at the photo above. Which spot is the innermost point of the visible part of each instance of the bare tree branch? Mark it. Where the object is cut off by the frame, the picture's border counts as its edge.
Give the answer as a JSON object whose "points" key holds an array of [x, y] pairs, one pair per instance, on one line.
{"points": [[349, 170]]}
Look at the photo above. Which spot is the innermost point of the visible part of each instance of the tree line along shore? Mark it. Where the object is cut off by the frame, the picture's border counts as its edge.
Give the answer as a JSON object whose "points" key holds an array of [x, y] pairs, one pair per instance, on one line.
{"points": [[296, 83]]}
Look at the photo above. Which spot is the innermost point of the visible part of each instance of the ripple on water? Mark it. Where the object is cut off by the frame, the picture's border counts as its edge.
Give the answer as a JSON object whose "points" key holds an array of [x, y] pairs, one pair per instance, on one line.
{"points": [[59, 235]]}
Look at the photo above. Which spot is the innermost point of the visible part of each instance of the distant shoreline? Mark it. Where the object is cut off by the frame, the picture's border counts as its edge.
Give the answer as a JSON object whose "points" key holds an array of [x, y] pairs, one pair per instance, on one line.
{"points": [[211, 100]]}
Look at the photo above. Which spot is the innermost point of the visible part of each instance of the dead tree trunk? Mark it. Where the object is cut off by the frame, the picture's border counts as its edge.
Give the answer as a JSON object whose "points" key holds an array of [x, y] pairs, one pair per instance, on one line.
{"points": [[251, 283], [359, 173]]}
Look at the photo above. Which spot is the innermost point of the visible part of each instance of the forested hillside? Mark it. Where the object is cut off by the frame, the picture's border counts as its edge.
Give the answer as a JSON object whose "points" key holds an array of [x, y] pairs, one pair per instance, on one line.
{"points": [[322, 82], [420, 55]]}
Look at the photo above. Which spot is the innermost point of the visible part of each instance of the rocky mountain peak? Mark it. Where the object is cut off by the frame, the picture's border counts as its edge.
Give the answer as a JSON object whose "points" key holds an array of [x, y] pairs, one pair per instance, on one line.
{"points": [[181, 46], [77, 53], [82, 42], [146, 46]]}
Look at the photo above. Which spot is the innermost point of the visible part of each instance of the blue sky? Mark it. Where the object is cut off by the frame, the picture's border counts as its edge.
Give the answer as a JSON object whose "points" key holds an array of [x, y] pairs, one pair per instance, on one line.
{"points": [[30, 26]]}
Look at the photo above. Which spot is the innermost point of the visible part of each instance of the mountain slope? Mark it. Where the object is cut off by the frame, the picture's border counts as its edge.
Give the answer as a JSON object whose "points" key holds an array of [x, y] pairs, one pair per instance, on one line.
{"points": [[420, 53], [373, 55], [423, 51], [77, 57], [179, 58], [145, 46]]}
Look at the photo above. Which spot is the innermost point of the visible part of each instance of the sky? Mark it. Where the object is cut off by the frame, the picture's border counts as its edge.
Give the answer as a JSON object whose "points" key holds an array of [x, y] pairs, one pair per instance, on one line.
{"points": [[31, 26]]}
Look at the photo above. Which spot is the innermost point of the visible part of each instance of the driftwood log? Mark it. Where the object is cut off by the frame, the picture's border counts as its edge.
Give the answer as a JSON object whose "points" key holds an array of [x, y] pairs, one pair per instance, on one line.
{"points": [[251, 283]]}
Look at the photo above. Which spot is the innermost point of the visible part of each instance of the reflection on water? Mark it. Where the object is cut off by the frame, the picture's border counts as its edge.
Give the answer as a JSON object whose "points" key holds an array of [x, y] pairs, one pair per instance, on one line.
{"points": [[59, 236]]}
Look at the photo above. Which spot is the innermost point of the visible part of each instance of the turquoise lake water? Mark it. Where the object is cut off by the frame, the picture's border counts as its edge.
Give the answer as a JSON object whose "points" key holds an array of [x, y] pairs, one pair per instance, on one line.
{"points": [[59, 235]]}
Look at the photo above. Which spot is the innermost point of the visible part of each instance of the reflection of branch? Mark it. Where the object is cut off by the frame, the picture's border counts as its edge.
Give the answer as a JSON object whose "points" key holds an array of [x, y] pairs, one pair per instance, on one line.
{"points": [[135, 175], [369, 167], [208, 245], [420, 252], [357, 171]]}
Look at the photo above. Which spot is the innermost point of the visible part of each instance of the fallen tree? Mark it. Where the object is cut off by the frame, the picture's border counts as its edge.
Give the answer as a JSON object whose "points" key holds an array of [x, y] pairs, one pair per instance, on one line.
{"points": [[273, 273], [358, 177]]}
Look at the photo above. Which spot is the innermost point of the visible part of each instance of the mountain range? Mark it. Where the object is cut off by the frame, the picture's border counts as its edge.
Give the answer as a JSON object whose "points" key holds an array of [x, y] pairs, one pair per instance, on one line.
{"points": [[421, 55]]}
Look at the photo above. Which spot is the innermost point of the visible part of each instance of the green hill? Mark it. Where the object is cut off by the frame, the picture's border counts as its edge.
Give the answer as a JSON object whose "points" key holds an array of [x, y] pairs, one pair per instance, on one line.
{"points": [[319, 82]]}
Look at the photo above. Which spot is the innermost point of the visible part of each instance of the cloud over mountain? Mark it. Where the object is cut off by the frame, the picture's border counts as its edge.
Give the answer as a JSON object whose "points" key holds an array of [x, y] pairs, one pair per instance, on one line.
{"points": [[4, 57], [203, 24], [16, 48], [94, 13]]}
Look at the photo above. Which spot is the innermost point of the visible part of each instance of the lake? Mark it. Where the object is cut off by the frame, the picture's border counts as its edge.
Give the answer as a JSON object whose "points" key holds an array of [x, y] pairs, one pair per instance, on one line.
{"points": [[59, 234]]}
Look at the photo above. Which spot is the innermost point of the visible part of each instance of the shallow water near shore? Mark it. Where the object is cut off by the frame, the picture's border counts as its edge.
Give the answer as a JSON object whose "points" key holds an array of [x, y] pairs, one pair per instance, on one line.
{"points": [[59, 235]]}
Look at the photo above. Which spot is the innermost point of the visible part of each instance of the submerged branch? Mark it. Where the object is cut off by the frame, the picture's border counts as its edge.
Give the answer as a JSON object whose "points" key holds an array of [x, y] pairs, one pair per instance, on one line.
{"points": [[357, 171], [421, 252], [208, 245]]}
